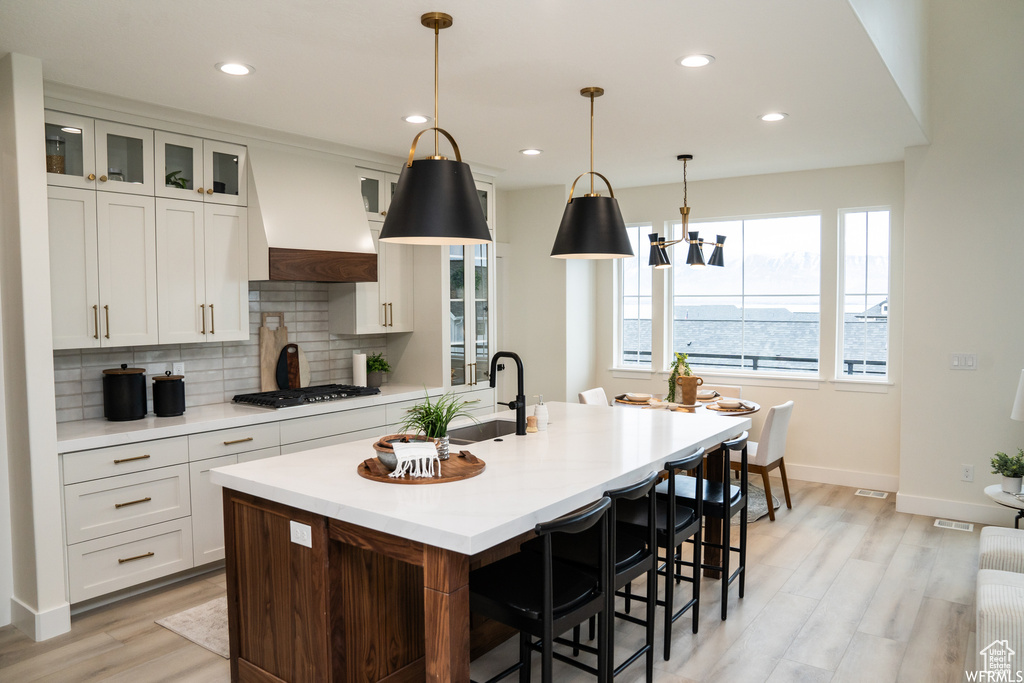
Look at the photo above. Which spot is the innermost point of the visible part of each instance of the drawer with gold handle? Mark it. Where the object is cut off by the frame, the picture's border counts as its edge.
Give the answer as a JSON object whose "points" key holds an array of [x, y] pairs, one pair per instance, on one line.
{"points": [[108, 506], [116, 460], [114, 562]]}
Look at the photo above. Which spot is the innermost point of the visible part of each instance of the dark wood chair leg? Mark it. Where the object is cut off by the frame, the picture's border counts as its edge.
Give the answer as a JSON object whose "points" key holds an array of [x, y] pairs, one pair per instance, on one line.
{"points": [[726, 541], [785, 482], [768, 493], [669, 601], [524, 657], [698, 541]]}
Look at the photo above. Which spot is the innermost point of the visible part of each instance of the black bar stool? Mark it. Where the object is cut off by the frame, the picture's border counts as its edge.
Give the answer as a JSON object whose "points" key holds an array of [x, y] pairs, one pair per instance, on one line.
{"points": [[675, 524], [722, 501], [632, 548], [543, 597]]}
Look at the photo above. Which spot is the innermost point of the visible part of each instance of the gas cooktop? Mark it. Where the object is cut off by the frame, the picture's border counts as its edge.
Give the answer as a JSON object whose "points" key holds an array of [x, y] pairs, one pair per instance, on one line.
{"points": [[286, 398]]}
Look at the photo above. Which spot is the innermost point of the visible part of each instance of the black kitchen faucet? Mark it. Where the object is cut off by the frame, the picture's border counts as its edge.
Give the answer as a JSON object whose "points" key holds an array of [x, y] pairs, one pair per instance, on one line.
{"points": [[518, 405]]}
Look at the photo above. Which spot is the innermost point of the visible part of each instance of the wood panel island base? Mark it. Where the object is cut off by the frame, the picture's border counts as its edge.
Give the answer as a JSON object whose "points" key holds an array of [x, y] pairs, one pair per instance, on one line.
{"points": [[335, 578], [355, 606]]}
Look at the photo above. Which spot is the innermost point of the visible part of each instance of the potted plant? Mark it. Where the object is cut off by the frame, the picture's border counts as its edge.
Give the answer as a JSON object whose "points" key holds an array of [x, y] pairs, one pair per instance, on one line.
{"points": [[680, 368], [376, 366], [1012, 469], [433, 418]]}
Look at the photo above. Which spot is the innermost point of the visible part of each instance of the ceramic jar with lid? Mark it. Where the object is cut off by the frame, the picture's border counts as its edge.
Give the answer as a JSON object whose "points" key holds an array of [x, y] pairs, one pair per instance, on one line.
{"points": [[124, 393], [168, 395]]}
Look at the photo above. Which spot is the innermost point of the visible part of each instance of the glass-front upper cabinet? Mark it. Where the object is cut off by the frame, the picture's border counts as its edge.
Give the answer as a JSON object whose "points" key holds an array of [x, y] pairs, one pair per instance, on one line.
{"points": [[377, 188], [70, 150], [124, 158], [200, 170], [471, 299]]}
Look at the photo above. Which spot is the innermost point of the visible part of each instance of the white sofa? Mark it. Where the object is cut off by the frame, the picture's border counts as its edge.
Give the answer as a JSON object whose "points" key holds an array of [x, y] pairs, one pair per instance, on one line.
{"points": [[999, 604]]}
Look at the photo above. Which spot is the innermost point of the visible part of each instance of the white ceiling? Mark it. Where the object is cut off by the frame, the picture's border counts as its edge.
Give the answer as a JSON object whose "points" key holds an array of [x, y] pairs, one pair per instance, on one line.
{"points": [[347, 71]]}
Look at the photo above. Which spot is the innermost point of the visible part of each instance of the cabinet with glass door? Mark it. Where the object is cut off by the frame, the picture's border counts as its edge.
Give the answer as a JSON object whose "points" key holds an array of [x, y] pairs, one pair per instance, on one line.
{"points": [[87, 153], [471, 302], [200, 170]]}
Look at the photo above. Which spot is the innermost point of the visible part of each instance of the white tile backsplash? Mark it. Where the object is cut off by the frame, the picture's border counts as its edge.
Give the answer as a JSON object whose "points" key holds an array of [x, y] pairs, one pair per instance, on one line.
{"points": [[216, 371]]}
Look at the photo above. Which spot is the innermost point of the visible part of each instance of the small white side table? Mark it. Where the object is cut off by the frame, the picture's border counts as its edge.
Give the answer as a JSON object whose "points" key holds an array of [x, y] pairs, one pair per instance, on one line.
{"points": [[996, 493]]}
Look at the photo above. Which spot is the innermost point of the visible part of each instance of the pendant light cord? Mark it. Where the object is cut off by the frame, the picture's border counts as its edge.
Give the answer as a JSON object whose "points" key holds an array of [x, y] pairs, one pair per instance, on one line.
{"points": [[684, 182], [592, 144], [437, 31]]}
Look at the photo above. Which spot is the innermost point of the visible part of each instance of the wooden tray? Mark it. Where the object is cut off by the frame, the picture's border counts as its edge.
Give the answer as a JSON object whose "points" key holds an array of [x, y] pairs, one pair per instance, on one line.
{"points": [[633, 403], [741, 409], [462, 465]]}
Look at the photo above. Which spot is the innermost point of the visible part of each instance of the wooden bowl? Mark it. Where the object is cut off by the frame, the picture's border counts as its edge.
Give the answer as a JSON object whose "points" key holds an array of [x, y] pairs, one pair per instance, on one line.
{"points": [[386, 454]]}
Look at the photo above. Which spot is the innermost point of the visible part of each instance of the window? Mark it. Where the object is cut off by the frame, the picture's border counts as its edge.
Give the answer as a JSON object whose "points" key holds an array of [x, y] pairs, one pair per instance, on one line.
{"points": [[635, 302], [863, 336], [761, 311]]}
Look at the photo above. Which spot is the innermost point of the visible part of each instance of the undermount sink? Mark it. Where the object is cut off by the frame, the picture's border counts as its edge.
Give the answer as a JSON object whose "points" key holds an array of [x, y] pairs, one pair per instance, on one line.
{"points": [[482, 431]]}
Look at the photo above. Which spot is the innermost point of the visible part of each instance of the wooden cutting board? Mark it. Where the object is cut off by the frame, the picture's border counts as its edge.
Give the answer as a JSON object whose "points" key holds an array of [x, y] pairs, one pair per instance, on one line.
{"points": [[271, 343], [292, 368]]}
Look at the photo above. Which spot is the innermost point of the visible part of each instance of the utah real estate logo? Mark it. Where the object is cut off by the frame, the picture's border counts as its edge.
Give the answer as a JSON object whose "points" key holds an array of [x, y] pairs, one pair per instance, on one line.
{"points": [[998, 665]]}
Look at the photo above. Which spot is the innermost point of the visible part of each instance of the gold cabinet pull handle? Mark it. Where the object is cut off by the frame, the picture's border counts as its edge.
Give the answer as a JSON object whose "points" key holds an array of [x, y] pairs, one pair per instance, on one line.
{"points": [[118, 506], [475, 400], [213, 322], [96, 321], [385, 307], [137, 457], [391, 315], [103, 178], [210, 191], [91, 176], [383, 213], [199, 190], [137, 557], [106, 313], [202, 314], [231, 443]]}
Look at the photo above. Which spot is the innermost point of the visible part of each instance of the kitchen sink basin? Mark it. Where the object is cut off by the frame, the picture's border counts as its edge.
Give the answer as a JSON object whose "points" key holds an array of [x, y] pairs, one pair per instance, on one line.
{"points": [[482, 431]]}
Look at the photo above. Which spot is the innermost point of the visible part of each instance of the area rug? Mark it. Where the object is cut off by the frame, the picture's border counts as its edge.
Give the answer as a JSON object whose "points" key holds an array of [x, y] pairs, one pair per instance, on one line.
{"points": [[205, 625], [757, 503]]}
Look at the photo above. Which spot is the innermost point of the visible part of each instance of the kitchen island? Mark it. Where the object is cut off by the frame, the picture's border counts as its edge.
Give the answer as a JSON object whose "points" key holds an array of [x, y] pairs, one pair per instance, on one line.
{"points": [[376, 588]]}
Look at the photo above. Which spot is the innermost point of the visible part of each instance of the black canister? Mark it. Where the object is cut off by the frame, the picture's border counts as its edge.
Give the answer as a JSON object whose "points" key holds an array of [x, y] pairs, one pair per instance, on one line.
{"points": [[169, 395], [124, 393]]}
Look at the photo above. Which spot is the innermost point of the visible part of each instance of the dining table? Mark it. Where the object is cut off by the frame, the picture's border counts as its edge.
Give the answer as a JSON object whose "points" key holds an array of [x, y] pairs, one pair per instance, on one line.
{"points": [[334, 576]]}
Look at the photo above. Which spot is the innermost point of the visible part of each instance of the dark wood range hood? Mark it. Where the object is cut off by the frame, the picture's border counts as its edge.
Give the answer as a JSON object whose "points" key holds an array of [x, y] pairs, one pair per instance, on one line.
{"points": [[307, 222]]}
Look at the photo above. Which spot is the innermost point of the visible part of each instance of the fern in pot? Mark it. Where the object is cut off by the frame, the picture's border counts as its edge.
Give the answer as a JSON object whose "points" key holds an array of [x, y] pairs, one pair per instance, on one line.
{"points": [[433, 418], [1012, 469]]}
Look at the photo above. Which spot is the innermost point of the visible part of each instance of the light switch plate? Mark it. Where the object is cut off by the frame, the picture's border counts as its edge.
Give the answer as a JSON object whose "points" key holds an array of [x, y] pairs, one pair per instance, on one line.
{"points": [[302, 534], [963, 361]]}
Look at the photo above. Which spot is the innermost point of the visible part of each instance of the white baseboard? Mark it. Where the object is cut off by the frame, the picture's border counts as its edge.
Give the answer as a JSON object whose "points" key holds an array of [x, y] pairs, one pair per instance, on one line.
{"points": [[956, 510], [41, 625], [828, 475]]}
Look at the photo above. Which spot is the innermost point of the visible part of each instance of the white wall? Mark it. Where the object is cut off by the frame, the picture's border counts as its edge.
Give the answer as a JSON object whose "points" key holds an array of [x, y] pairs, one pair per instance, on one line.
{"points": [[537, 287], [836, 435], [964, 247], [38, 603]]}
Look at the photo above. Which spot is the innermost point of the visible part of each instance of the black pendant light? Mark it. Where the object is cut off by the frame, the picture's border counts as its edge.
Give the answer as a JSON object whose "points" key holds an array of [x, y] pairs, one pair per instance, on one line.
{"points": [[695, 256], [592, 226], [435, 200]]}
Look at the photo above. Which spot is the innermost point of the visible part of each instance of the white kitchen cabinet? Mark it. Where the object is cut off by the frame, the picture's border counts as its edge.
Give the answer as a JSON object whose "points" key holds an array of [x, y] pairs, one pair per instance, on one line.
{"points": [[202, 272], [375, 307], [199, 170], [388, 304], [207, 510], [470, 302], [100, 155], [102, 268]]}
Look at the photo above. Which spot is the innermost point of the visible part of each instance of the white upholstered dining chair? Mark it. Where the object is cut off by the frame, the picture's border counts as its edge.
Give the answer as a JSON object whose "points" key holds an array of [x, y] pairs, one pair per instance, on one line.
{"points": [[767, 453], [594, 396], [726, 390]]}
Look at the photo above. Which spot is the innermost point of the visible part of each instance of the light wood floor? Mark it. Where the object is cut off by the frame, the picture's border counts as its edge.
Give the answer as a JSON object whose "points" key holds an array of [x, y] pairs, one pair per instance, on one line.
{"points": [[841, 588]]}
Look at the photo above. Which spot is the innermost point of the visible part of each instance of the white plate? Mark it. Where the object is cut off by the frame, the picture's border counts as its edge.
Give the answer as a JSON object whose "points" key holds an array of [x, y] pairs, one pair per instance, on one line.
{"points": [[638, 397], [730, 404]]}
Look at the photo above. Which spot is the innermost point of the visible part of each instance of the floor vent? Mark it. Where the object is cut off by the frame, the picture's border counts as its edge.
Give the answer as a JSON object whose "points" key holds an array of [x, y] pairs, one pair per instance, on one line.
{"points": [[959, 526], [867, 493]]}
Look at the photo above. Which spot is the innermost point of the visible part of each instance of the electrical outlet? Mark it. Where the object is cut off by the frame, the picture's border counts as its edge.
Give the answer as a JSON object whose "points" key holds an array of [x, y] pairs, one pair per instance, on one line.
{"points": [[178, 369], [966, 472], [301, 533]]}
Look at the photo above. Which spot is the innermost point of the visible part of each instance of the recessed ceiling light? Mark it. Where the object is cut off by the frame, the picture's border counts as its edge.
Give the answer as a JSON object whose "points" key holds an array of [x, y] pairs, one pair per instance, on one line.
{"points": [[530, 152], [773, 116], [73, 131], [696, 60], [416, 118], [235, 69]]}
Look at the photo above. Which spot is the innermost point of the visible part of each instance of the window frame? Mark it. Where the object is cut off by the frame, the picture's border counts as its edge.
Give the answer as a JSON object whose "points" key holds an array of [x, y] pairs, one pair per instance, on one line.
{"points": [[642, 251], [839, 375], [678, 258]]}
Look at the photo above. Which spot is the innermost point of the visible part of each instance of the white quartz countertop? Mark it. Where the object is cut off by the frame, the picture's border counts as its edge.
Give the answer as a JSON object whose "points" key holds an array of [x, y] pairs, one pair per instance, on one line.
{"points": [[586, 450], [87, 434]]}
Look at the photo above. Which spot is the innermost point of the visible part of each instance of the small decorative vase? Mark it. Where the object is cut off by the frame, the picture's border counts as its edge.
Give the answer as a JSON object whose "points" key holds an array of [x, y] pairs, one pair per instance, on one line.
{"points": [[688, 388], [1011, 484], [442, 447], [373, 379]]}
